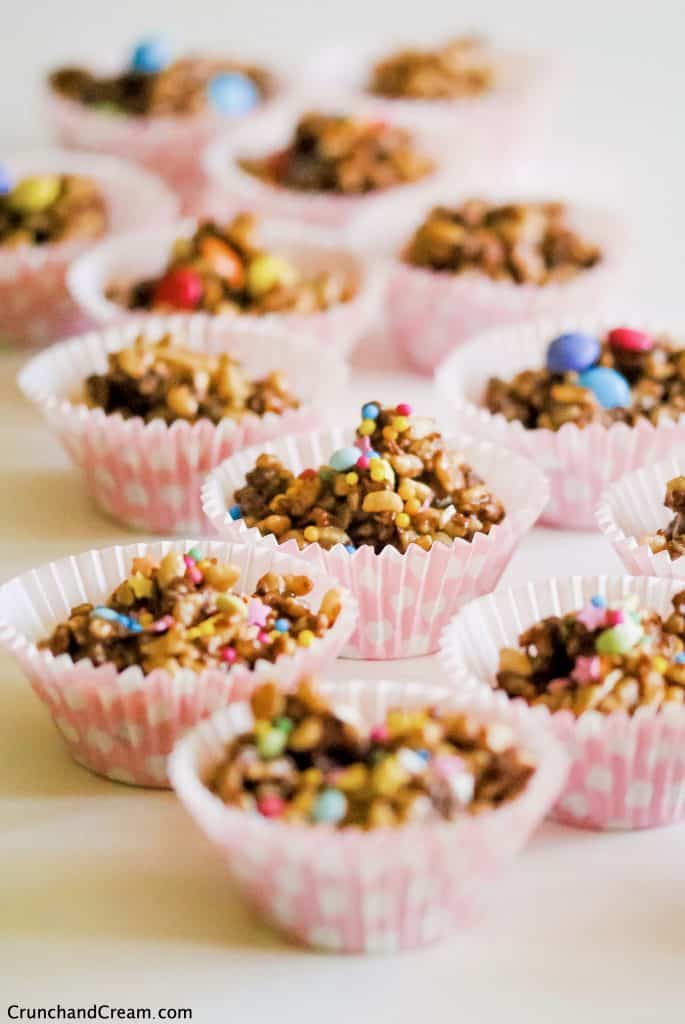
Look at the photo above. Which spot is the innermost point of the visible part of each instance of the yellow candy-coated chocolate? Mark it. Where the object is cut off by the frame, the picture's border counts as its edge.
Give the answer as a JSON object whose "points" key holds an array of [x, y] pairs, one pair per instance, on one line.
{"points": [[403, 520], [311, 534], [33, 194], [351, 479], [400, 423], [366, 428], [306, 638], [265, 272]]}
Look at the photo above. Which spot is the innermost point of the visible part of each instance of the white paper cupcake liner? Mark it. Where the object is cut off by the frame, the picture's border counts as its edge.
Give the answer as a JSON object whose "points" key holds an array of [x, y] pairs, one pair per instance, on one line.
{"points": [[404, 600], [169, 146], [135, 256], [124, 724], [496, 127], [429, 314], [626, 772], [324, 209], [35, 305], [632, 508], [373, 892], [578, 463], [148, 475]]}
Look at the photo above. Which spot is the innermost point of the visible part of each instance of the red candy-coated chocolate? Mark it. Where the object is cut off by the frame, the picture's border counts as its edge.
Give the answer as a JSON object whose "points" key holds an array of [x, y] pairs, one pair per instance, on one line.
{"points": [[630, 340], [180, 288], [403, 409], [228, 654], [615, 617], [271, 806], [308, 474]]}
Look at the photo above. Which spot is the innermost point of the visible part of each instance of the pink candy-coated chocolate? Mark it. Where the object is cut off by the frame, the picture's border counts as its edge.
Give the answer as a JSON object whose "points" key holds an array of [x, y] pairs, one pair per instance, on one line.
{"points": [[271, 806], [363, 462], [615, 617], [403, 409], [630, 340]]}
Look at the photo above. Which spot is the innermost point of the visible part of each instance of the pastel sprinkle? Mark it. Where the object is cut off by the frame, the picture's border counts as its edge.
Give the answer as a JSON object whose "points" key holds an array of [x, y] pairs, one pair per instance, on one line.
{"points": [[257, 612], [195, 553], [370, 411]]}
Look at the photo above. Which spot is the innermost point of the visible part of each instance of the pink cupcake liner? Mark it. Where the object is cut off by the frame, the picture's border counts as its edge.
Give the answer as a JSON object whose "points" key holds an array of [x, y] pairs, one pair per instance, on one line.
{"points": [[625, 772], [578, 463], [138, 255], [123, 725], [429, 313], [633, 507], [404, 600], [35, 305], [169, 146], [373, 892], [326, 210], [148, 475], [494, 127]]}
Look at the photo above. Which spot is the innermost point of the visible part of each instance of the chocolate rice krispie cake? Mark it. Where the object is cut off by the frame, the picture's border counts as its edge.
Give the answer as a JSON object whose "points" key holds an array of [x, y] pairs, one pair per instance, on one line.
{"points": [[460, 68], [624, 376], [344, 155], [43, 209], [163, 380], [302, 763], [398, 484], [185, 613], [224, 269], [604, 657]]}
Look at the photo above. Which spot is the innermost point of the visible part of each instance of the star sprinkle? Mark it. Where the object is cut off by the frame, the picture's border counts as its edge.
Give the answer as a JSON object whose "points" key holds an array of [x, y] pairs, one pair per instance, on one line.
{"points": [[257, 612]]}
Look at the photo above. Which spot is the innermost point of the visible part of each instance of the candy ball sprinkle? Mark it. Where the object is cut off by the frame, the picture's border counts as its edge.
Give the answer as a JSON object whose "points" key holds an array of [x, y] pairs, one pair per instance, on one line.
{"points": [[574, 351], [609, 387], [151, 55], [232, 93]]}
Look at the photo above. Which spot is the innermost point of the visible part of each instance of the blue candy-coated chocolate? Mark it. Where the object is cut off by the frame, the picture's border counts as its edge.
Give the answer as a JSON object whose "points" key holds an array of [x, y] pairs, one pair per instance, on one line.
{"points": [[5, 180], [370, 411], [330, 807], [344, 458], [679, 659], [282, 625], [609, 387], [350, 548], [598, 601], [152, 54], [232, 93], [102, 612], [572, 351], [235, 512]]}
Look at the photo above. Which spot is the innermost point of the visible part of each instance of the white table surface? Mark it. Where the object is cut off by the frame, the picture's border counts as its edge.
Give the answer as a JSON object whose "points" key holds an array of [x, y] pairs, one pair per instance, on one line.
{"points": [[109, 894]]}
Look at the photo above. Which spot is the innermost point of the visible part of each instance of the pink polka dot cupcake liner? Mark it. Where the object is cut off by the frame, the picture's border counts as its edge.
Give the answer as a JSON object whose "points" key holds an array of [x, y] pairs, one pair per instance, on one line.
{"points": [[138, 255], [578, 463], [405, 600], [148, 476], [123, 725], [231, 184], [626, 772], [632, 508], [495, 128], [35, 305], [379, 891], [168, 146], [429, 314]]}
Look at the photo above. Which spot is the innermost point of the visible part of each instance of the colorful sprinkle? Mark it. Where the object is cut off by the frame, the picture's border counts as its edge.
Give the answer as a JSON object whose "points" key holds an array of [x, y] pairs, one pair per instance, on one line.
{"points": [[330, 807], [257, 612], [370, 411]]}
